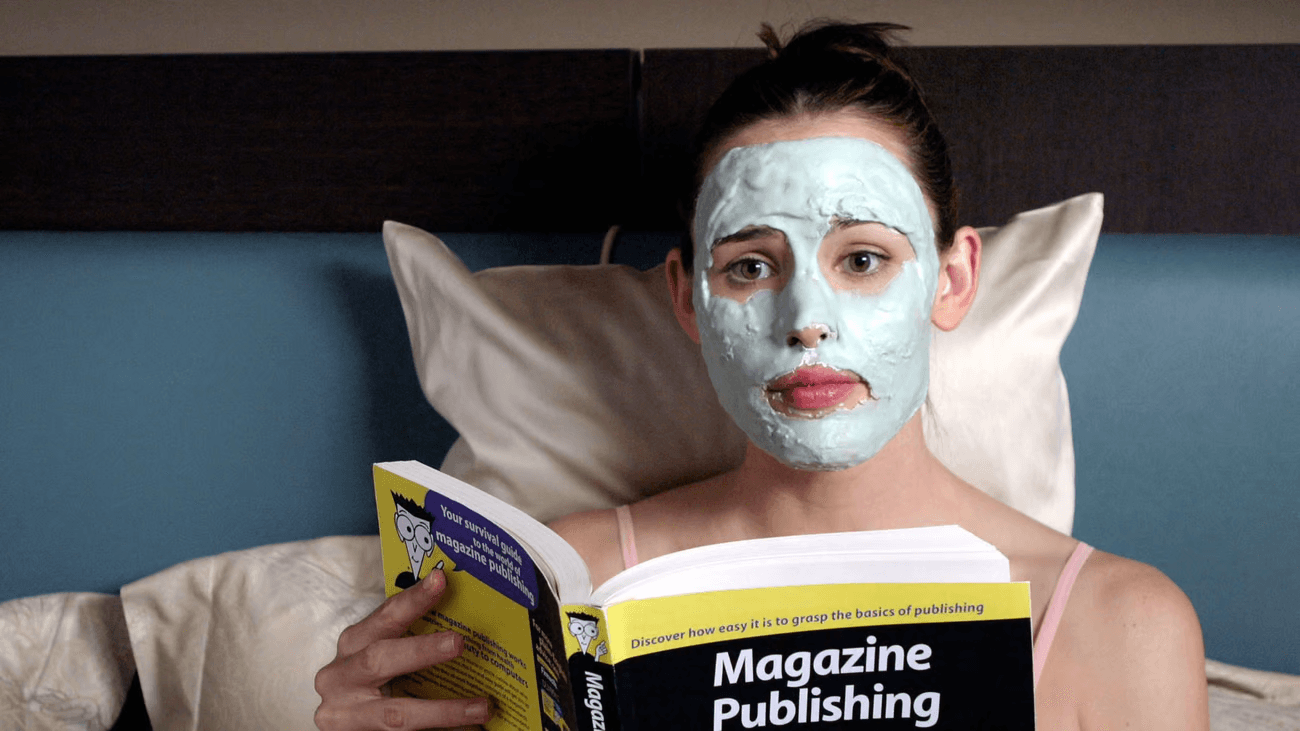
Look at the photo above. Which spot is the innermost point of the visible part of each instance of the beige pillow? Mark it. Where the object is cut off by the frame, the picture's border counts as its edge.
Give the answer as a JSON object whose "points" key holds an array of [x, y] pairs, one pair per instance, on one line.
{"points": [[574, 388], [234, 641]]}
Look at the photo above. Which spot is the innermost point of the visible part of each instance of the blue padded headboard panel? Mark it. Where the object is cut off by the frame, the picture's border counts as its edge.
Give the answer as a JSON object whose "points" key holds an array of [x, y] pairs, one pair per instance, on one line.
{"points": [[175, 395], [166, 396], [1185, 399]]}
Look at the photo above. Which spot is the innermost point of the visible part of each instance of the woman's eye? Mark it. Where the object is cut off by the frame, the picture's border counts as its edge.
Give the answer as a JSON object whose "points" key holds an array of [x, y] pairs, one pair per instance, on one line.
{"points": [[750, 270], [862, 262]]}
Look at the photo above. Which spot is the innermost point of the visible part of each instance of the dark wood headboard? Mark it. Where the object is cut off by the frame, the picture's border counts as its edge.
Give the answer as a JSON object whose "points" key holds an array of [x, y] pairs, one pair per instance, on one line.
{"points": [[1179, 138]]}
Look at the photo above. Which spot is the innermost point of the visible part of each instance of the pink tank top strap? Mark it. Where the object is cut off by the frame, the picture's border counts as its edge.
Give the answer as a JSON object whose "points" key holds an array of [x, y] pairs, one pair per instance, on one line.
{"points": [[1056, 607], [626, 537]]}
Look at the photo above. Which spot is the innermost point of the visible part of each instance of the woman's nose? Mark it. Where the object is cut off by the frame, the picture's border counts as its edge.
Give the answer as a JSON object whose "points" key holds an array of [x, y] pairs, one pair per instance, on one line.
{"points": [[806, 310], [809, 337]]}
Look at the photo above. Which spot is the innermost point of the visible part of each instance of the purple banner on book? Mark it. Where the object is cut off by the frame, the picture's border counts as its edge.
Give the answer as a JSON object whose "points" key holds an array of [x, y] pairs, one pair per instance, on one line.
{"points": [[476, 545]]}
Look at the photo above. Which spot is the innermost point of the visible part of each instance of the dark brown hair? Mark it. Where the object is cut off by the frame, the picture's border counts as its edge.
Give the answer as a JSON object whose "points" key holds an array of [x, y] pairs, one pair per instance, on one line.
{"points": [[827, 68]]}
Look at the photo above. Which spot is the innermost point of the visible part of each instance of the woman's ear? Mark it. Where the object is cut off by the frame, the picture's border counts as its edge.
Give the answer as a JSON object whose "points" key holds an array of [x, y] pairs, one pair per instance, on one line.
{"points": [[959, 274], [680, 289]]}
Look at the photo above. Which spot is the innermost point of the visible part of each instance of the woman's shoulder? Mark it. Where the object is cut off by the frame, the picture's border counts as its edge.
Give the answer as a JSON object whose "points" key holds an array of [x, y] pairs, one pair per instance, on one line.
{"points": [[1111, 592], [594, 534], [1137, 608], [1131, 588], [1130, 635]]}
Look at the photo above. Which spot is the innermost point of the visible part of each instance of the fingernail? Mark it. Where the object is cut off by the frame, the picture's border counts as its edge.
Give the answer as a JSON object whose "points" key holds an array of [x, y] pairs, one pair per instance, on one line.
{"points": [[448, 642], [477, 711], [433, 580]]}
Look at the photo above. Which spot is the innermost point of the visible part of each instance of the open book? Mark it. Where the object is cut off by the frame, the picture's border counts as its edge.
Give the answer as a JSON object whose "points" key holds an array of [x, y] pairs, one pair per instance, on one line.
{"points": [[915, 628]]}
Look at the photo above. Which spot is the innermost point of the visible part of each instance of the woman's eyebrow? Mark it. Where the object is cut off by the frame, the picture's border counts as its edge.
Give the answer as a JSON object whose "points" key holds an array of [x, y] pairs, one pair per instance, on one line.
{"points": [[748, 233], [838, 223]]}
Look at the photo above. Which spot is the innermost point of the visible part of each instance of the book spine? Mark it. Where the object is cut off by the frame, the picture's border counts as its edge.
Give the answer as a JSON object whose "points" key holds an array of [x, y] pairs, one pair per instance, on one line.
{"points": [[591, 669]]}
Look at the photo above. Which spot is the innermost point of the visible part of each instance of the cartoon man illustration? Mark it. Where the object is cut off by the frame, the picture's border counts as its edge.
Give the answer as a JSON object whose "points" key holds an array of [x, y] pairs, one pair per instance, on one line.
{"points": [[585, 628], [591, 678], [415, 527]]}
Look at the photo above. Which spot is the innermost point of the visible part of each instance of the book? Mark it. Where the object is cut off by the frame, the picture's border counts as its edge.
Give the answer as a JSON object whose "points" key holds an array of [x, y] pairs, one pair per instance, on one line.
{"points": [[911, 628]]}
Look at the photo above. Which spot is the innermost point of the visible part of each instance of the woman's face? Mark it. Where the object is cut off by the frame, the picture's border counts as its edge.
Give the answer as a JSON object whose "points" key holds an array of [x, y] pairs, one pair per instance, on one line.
{"points": [[815, 273]]}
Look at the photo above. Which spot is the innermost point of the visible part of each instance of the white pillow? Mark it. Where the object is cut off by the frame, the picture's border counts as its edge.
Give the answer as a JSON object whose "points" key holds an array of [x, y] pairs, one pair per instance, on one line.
{"points": [[234, 641], [65, 662], [999, 414], [574, 388]]}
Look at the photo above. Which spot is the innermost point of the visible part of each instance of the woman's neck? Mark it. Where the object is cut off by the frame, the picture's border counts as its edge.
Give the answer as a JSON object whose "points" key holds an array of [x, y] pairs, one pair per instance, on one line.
{"points": [[901, 486]]}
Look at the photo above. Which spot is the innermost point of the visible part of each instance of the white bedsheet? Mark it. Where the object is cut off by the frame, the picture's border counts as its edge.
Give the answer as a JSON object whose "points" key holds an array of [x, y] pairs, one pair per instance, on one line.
{"points": [[65, 662]]}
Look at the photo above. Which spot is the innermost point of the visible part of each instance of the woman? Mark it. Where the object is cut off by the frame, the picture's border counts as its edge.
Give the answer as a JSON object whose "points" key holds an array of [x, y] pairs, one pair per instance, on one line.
{"points": [[825, 248]]}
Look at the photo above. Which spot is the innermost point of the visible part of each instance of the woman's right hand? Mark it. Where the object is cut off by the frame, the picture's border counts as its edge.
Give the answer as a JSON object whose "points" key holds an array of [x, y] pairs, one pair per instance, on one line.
{"points": [[373, 652]]}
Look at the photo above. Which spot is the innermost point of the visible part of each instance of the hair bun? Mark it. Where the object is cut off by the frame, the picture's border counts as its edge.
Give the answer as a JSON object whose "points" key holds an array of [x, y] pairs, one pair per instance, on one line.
{"points": [[871, 42], [767, 34]]}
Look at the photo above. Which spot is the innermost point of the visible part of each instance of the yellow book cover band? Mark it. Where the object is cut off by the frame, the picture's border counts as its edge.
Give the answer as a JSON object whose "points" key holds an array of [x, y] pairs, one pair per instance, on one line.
{"points": [[654, 625]]}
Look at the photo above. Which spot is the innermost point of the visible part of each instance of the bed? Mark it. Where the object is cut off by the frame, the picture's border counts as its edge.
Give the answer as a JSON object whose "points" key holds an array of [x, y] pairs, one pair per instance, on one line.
{"points": [[204, 350]]}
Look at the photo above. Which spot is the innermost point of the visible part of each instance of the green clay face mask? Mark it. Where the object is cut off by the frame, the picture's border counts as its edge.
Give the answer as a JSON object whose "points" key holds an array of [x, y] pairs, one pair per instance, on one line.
{"points": [[801, 188]]}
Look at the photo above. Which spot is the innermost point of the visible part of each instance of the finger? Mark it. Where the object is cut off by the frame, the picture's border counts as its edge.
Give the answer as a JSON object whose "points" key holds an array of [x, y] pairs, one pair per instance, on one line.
{"points": [[384, 660], [394, 616], [401, 714]]}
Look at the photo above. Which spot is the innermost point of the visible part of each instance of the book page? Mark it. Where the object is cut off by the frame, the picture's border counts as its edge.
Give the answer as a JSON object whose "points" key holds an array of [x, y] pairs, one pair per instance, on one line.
{"points": [[496, 597], [914, 555]]}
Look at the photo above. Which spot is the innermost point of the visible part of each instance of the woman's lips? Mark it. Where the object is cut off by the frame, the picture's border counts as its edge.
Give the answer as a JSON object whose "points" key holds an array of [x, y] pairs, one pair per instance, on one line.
{"points": [[816, 388]]}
